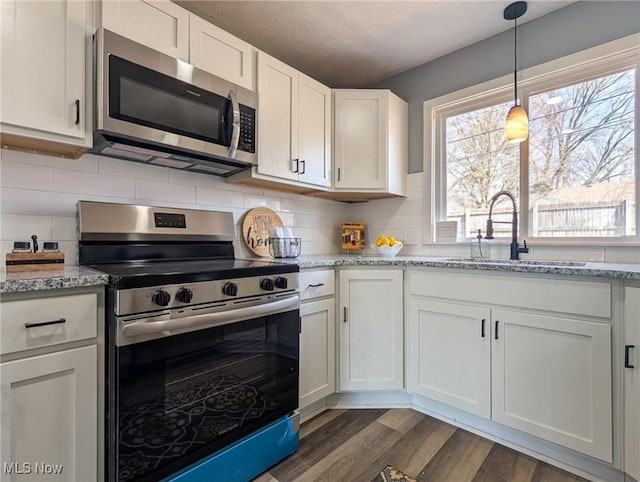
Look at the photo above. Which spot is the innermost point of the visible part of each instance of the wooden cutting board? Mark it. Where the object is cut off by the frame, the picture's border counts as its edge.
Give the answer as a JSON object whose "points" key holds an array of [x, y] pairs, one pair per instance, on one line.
{"points": [[255, 229]]}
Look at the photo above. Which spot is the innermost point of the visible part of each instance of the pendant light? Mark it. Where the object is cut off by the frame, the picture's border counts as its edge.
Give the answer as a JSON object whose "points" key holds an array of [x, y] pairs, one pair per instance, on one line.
{"points": [[517, 124]]}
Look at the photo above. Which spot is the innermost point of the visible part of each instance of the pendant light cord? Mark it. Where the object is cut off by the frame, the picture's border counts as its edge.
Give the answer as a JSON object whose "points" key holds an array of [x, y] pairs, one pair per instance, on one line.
{"points": [[515, 61]]}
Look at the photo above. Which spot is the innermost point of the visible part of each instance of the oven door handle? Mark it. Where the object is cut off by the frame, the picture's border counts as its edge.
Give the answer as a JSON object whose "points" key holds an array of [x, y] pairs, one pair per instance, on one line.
{"points": [[211, 319]]}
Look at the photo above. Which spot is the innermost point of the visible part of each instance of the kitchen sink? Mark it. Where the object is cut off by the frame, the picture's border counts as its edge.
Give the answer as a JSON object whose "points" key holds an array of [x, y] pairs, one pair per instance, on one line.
{"points": [[516, 262]]}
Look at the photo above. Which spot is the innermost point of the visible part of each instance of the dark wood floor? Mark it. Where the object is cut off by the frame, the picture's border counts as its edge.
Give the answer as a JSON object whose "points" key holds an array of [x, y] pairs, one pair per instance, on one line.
{"points": [[355, 445]]}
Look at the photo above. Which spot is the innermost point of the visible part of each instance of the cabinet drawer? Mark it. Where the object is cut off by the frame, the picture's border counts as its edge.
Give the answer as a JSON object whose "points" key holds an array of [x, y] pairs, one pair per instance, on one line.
{"points": [[317, 283], [39, 322], [589, 298]]}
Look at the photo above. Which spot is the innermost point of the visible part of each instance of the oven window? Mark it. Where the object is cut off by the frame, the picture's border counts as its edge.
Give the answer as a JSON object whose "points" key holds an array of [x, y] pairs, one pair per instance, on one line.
{"points": [[152, 99], [183, 397]]}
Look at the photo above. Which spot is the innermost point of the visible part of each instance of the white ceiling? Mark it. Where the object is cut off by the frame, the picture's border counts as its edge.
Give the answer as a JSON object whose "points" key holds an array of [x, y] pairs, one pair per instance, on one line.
{"points": [[358, 43]]}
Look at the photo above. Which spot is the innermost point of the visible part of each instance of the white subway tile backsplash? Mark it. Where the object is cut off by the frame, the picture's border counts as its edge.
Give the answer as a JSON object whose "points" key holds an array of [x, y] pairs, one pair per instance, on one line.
{"points": [[21, 201], [415, 180], [188, 178], [26, 176], [254, 201], [219, 197], [18, 227], [118, 167], [162, 191], [622, 254], [87, 162], [65, 180], [64, 228]]}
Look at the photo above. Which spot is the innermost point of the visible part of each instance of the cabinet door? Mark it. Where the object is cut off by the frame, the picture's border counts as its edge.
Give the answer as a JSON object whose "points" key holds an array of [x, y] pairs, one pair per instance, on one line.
{"points": [[360, 139], [371, 330], [49, 416], [317, 350], [449, 353], [159, 24], [220, 53], [43, 65], [632, 382], [277, 118], [552, 378], [314, 128]]}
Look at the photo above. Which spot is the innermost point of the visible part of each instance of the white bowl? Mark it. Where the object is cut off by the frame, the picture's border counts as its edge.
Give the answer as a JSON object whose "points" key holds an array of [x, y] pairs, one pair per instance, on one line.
{"points": [[387, 251]]}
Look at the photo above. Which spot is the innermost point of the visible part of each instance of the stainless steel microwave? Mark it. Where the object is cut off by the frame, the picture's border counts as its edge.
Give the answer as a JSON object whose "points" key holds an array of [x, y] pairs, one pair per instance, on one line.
{"points": [[156, 109]]}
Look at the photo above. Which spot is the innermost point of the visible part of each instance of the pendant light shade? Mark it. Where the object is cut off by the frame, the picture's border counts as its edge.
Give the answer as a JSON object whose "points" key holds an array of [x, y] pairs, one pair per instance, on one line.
{"points": [[517, 124]]}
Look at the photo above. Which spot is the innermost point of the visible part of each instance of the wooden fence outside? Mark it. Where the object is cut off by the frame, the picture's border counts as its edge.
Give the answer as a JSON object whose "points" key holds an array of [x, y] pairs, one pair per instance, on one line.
{"points": [[596, 219]]}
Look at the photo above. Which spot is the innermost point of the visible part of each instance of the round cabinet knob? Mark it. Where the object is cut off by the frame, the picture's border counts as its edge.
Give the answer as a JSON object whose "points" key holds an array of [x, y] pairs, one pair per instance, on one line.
{"points": [[282, 283], [230, 289], [184, 295], [161, 298], [267, 284]]}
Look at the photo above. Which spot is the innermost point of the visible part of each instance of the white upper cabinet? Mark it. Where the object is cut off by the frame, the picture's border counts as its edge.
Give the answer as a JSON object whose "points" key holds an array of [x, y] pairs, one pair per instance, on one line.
{"points": [[294, 130], [164, 26], [314, 131], [370, 149], [220, 53], [43, 72], [277, 118], [159, 24]]}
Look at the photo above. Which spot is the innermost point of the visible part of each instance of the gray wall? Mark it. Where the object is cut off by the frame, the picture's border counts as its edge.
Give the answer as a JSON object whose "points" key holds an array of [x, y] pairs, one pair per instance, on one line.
{"points": [[579, 26]]}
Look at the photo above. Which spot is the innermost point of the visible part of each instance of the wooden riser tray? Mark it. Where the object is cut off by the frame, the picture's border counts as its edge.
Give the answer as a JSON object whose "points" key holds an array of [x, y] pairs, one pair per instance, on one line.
{"points": [[17, 262]]}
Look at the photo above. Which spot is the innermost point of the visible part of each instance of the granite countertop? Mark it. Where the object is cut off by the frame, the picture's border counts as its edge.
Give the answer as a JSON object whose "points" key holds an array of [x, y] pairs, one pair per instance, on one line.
{"points": [[69, 277], [629, 271], [80, 276]]}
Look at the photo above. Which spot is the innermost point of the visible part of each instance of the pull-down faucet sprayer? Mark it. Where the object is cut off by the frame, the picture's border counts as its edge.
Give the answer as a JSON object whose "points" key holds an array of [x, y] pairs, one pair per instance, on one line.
{"points": [[515, 249]]}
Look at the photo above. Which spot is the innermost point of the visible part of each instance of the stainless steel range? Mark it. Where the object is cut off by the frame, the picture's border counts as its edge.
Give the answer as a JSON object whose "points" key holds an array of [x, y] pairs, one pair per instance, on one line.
{"points": [[202, 349]]}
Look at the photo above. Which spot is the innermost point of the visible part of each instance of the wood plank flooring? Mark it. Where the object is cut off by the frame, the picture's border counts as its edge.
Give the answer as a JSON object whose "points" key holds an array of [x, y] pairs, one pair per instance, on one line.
{"points": [[355, 445]]}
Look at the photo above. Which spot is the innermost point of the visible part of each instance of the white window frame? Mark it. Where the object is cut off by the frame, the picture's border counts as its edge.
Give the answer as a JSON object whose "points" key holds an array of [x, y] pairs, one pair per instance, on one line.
{"points": [[592, 63]]}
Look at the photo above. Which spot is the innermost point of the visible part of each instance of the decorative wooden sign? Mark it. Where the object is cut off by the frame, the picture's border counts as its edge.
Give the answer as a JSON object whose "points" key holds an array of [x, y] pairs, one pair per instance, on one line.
{"points": [[255, 229], [353, 236]]}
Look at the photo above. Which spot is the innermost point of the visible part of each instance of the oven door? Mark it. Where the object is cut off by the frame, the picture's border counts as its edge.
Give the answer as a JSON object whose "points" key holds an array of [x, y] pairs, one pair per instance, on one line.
{"points": [[197, 383]]}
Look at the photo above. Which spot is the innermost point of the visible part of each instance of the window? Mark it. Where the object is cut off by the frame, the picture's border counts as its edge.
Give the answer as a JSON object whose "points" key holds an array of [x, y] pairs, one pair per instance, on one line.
{"points": [[577, 175]]}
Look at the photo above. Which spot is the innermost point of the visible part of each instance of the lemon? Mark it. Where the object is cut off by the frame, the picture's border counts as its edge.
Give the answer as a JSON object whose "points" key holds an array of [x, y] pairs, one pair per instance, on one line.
{"points": [[382, 241], [392, 240]]}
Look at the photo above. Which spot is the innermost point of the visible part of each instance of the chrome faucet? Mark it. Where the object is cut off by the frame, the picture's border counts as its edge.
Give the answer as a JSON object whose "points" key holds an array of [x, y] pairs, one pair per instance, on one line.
{"points": [[515, 249]]}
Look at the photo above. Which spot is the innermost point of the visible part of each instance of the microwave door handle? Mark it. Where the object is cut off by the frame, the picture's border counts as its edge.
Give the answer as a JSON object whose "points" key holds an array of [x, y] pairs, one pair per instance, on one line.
{"points": [[235, 135]]}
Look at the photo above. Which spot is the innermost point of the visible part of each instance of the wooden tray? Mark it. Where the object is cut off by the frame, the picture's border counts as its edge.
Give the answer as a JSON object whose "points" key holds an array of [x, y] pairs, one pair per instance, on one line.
{"points": [[17, 262]]}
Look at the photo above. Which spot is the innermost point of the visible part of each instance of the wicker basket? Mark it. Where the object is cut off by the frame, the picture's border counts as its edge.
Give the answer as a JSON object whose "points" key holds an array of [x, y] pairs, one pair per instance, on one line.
{"points": [[285, 247]]}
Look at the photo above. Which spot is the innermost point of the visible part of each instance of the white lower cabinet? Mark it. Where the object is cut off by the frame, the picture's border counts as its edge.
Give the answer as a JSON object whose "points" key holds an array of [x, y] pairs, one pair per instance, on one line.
{"points": [[450, 349], [49, 417], [632, 381], [545, 374], [317, 350], [371, 329], [551, 377], [317, 335]]}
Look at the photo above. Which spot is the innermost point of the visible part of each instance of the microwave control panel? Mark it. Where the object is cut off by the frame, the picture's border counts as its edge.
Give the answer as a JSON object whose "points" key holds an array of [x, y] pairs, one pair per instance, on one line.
{"points": [[247, 141]]}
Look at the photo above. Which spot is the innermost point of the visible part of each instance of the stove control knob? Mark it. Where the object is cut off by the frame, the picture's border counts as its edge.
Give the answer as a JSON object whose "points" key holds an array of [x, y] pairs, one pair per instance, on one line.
{"points": [[184, 295], [161, 298], [267, 284], [281, 283], [230, 289]]}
